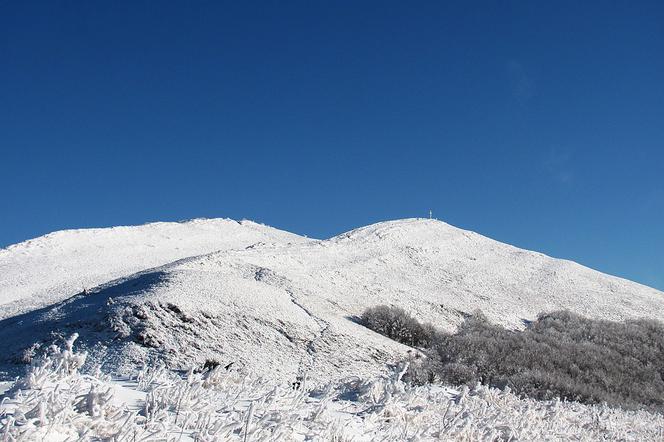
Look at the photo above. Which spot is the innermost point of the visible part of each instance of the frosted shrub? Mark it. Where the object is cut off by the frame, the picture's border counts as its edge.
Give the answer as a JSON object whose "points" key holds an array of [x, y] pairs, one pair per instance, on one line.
{"points": [[56, 402], [149, 376], [560, 355], [225, 405], [396, 324]]}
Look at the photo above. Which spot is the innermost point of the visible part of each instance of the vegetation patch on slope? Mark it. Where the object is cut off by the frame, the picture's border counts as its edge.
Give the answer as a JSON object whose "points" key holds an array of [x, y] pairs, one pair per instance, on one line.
{"points": [[560, 355], [398, 325]]}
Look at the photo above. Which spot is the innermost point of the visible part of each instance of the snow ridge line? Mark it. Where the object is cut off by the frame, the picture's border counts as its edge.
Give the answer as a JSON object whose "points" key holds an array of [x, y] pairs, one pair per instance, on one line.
{"points": [[324, 325], [18, 306], [311, 345], [268, 276]]}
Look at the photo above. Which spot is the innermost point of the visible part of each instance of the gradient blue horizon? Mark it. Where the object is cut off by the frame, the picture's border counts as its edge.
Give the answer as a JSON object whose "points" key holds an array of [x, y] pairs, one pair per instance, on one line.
{"points": [[537, 125]]}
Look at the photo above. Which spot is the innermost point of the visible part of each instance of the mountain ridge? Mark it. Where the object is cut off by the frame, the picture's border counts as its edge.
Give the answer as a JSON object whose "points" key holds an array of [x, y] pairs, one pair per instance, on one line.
{"points": [[284, 306]]}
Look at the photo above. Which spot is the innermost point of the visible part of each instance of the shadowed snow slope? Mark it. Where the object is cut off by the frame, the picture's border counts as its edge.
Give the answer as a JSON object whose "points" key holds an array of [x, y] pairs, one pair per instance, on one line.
{"points": [[282, 305]]}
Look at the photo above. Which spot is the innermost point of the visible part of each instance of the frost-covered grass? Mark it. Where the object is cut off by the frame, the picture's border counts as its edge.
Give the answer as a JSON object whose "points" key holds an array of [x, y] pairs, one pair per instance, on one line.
{"points": [[55, 402]]}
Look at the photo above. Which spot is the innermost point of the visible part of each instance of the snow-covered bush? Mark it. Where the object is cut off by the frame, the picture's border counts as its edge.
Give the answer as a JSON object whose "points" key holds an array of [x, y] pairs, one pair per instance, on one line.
{"points": [[560, 355], [60, 404], [55, 402], [397, 324]]}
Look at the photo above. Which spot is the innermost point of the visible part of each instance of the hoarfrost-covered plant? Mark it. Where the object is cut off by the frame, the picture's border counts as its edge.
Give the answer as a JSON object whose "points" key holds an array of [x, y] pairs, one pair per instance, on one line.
{"points": [[55, 363], [218, 404], [560, 355], [54, 400], [397, 324]]}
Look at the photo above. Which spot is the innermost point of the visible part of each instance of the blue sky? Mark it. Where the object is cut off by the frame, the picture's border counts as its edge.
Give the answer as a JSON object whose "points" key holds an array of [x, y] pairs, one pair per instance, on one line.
{"points": [[538, 125]]}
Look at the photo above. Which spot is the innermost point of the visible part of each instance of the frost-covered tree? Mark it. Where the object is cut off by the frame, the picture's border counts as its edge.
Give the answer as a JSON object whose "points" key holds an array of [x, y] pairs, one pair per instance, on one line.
{"points": [[396, 324]]}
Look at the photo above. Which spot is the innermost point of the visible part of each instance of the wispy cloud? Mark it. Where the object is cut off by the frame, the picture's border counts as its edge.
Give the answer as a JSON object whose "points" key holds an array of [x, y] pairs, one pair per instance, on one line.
{"points": [[558, 163], [523, 85]]}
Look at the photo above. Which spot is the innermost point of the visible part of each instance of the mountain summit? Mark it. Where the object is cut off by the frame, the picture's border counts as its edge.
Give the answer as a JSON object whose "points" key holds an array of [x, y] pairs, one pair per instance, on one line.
{"points": [[277, 303]]}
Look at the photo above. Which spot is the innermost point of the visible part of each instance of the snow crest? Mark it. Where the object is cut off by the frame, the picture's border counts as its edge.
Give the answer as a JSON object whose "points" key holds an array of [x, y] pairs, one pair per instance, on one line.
{"points": [[280, 305]]}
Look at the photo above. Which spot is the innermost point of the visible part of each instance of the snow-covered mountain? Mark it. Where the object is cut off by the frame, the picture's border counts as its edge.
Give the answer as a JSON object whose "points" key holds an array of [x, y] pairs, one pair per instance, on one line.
{"points": [[51, 268], [275, 303]]}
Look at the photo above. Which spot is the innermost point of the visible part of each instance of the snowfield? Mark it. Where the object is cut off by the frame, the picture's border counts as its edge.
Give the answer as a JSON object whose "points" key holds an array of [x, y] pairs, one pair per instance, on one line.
{"points": [[44, 270], [282, 309]]}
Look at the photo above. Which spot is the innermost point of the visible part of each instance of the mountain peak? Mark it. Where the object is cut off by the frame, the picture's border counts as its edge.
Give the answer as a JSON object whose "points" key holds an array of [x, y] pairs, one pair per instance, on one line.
{"points": [[247, 287]]}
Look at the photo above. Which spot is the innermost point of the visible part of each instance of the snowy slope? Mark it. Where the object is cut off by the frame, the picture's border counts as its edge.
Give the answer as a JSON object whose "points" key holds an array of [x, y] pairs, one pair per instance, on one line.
{"points": [[285, 307], [54, 267]]}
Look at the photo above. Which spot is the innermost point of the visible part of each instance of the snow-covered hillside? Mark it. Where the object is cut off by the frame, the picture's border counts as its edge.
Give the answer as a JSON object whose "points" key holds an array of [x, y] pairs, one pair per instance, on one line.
{"points": [[51, 268], [277, 304]]}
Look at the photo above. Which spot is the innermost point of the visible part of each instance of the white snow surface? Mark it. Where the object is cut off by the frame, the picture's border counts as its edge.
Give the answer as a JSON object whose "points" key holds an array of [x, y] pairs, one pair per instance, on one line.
{"points": [[278, 305], [48, 269]]}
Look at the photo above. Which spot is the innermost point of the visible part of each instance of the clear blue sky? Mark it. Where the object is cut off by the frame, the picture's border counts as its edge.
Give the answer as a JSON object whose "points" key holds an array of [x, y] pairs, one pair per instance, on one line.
{"points": [[538, 125]]}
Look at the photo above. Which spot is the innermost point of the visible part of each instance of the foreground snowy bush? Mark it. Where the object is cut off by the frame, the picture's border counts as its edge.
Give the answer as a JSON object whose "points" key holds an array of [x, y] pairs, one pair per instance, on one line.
{"points": [[55, 402]]}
